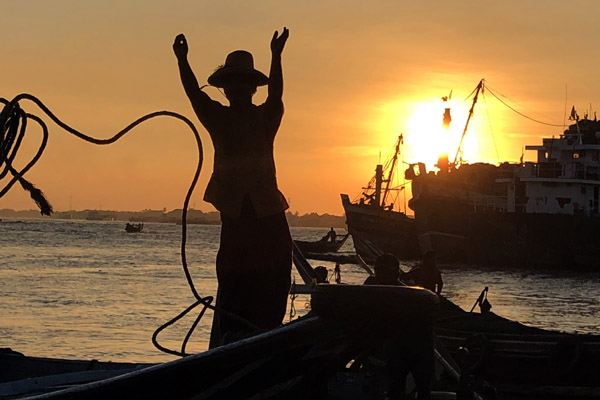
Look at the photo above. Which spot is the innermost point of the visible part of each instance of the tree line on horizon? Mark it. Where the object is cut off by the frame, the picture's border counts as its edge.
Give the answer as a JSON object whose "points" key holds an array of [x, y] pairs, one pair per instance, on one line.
{"points": [[174, 216]]}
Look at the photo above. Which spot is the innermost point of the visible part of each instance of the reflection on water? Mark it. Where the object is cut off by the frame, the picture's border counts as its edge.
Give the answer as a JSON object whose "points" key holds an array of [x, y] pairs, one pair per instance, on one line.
{"points": [[558, 300], [83, 289]]}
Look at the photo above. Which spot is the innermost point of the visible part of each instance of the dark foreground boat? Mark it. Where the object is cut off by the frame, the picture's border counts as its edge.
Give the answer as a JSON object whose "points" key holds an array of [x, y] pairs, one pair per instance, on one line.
{"points": [[296, 361], [519, 361], [322, 246], [20, 374]]}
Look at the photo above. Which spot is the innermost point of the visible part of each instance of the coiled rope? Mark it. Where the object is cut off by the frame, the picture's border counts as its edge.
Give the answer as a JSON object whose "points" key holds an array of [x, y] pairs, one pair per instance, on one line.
{"points": [[11, 137], [13, 124]]}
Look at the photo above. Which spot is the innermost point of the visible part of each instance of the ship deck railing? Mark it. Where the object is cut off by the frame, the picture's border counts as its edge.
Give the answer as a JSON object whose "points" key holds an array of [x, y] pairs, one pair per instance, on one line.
{"points": [[555, 170]]}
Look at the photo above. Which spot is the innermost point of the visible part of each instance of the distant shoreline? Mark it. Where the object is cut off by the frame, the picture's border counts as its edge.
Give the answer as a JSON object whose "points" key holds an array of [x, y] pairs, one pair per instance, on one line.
{"points": [[172, 217]]}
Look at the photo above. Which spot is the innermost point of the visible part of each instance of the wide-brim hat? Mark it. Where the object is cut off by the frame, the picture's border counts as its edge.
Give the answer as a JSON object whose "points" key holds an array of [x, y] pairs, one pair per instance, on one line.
{"points": [[239, 63]]}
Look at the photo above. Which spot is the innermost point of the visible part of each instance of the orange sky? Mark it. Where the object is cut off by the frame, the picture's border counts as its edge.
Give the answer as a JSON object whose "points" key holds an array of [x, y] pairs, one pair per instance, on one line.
{"points": [[356, 73]]}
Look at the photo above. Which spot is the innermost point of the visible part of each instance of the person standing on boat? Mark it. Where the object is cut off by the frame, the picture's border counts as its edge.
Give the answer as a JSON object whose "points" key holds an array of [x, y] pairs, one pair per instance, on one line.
{"points": [[255, 254]]}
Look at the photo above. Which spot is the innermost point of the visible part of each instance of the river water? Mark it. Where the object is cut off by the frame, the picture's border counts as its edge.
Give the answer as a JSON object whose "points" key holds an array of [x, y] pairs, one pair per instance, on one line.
{"points": [[88, 289]]}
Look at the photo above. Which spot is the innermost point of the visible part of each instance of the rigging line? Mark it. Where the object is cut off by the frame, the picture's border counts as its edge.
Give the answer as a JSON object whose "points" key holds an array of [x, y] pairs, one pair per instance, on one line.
{"points": [[520, 113], [487, 113], [470, 94]]}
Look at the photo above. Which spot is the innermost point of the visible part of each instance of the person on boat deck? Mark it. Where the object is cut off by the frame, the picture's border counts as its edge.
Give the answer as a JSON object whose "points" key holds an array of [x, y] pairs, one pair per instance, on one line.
{"points": [[387, 271], [321, 274], [329, 235], [427, 275], [255, 254]]}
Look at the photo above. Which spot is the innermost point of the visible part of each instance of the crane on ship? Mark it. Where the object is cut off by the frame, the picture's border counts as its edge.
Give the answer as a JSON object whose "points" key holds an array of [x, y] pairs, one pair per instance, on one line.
{"points": [[459, 151]]}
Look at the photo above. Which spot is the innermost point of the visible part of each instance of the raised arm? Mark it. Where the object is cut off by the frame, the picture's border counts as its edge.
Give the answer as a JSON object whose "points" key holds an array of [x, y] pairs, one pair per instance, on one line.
{"points": [[276, 74], [201, 102]]}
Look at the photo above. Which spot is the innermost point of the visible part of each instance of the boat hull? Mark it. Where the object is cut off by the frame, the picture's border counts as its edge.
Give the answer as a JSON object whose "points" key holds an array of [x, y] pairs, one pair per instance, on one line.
{"points": [[293, 361], [375, 230], [520, 361], [523, 240]]}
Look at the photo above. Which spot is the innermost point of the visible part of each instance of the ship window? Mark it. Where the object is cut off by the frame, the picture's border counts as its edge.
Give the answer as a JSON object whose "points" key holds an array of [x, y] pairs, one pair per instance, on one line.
{"points": [[575, 155]]}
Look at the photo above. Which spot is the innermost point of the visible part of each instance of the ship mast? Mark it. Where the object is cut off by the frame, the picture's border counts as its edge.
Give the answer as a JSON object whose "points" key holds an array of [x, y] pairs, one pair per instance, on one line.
{"points": [[391, 171], [478, 89], [375, 192]]}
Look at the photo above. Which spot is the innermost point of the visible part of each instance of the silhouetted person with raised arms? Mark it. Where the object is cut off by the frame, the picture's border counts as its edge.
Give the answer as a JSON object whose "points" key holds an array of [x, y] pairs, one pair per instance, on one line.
{"points": [[255, 254]]}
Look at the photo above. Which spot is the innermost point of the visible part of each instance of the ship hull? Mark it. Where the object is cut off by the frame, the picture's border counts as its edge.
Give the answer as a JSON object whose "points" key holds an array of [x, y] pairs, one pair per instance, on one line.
{"points": [[376, 230], [459, 233]]}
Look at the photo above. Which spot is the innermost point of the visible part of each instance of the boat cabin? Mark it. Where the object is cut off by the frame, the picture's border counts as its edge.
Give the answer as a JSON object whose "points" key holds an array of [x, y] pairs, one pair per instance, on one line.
{"points": [[566, 177]]}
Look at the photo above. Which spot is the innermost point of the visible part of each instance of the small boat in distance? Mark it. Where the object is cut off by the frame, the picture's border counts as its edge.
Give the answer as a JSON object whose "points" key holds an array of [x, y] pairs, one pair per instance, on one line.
{"points": [[134, 228]]}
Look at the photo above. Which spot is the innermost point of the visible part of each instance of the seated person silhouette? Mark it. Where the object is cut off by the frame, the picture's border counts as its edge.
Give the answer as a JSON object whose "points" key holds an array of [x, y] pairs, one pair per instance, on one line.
{"points": [[387, 271], [332, 235], [321, 273]]}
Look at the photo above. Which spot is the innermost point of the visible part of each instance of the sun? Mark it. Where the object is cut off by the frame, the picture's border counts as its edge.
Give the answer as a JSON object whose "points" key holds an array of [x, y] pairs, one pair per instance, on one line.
{"points": [[421, 124], [426, 137]]}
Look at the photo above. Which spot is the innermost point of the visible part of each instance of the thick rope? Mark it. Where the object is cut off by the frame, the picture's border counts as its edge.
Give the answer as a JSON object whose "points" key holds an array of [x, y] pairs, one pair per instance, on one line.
{"points": [[11, 137]]}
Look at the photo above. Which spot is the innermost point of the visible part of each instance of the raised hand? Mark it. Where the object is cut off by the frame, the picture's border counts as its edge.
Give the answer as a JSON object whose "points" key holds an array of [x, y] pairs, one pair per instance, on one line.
{"points": [[180, 46], [278, 42]]}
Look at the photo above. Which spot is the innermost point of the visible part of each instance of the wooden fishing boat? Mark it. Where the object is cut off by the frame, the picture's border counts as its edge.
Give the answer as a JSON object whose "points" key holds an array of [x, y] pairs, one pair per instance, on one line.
{"points": [[17, 366], [26, 375], [322, 246], [521, 362], [134, 228], [376, 218]]}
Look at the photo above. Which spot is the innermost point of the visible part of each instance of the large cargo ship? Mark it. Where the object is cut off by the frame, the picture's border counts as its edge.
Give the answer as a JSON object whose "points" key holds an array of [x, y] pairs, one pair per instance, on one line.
{"points": [[541, 214]]}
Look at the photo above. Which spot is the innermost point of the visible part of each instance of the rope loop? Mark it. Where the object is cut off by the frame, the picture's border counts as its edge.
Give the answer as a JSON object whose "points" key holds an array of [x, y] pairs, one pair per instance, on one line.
{"points": [[13, 124]]}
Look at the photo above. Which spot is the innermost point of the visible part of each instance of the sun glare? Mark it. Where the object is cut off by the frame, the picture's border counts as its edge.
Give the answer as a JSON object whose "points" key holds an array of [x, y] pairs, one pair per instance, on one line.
{"points": [[426, 138]]}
